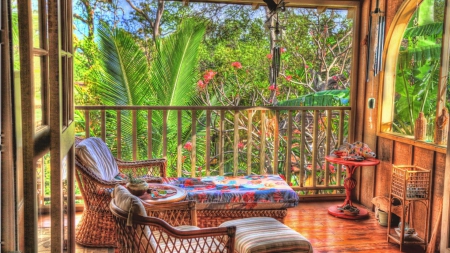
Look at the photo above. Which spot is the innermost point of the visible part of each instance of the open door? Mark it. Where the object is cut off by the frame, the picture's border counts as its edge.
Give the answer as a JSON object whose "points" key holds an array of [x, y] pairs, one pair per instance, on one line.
{"points": [[47, 126], [62, 125]]}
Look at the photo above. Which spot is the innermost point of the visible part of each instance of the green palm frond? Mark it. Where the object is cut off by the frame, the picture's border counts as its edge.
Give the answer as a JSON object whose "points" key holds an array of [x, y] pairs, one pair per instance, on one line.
{"points": [[123, 78], [173, 73]]}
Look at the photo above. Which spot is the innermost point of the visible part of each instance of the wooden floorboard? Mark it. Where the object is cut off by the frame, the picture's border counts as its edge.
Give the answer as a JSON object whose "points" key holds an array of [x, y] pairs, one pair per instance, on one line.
{"points": [[327, 233]]}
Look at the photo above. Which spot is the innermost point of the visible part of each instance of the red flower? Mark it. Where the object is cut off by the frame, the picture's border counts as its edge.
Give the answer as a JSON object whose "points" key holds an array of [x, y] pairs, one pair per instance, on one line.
{"points": [[188, 146], [272, 87], [199, 169], [335, 78], [201, 85], [236, 64], [209, 75], [269, 56], [306, 67], [283, 49], [288, 78], [240, 145]]}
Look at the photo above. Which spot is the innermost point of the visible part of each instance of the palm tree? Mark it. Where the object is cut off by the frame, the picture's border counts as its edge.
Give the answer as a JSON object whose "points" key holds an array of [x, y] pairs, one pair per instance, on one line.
{"points": [[124, 77]]}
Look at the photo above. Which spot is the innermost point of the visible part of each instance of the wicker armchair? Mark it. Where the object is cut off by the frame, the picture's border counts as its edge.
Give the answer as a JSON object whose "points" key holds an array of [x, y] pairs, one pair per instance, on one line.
{"points": [[139, 233], [96, 227]]}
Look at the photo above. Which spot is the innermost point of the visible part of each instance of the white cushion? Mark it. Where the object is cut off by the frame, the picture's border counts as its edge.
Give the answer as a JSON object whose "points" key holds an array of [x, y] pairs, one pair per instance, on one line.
{"points": [[96, 156], [125, 200]]}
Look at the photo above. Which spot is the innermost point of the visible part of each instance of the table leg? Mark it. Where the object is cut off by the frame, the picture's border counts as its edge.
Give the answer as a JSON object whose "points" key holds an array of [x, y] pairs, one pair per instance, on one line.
{"points": [[349, 184]]}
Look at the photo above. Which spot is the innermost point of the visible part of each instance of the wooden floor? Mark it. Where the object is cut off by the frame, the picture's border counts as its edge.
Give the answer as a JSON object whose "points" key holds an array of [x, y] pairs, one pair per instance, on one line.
{"points": [[329, 234]]}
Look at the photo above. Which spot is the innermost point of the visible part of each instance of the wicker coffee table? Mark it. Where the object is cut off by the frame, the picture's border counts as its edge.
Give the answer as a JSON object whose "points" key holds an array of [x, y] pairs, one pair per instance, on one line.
{"points": [[173, 194]]}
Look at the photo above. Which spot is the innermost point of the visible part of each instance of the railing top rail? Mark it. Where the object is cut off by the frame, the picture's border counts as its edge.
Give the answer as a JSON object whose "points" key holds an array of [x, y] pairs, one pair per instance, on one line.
{"points": [[238, 108]]}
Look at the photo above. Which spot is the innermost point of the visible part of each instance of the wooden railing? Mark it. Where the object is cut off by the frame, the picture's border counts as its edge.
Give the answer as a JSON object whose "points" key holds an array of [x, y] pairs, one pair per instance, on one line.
{"points": [[214, 140]]}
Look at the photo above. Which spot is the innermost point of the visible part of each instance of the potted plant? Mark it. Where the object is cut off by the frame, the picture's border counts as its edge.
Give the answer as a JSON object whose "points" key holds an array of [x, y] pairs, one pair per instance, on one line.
{"points": [[136, 186]]}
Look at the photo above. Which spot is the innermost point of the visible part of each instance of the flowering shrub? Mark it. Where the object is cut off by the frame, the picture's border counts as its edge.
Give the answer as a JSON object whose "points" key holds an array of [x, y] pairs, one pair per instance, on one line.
{"points": [[209, 75], [188, 146], [236, 64]]}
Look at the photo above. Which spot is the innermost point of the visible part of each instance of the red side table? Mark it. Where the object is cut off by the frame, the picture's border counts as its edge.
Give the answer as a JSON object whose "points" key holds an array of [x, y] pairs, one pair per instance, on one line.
{"points": [[349, 184]]}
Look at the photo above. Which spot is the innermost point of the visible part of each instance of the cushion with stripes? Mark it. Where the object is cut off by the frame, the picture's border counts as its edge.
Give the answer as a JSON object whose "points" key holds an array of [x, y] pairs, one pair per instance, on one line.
{"points": [[267, 235]]}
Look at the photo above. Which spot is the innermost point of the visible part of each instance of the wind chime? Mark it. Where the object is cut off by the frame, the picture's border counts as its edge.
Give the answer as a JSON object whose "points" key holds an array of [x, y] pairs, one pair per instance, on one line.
{"points": [[274, 69], [378, 51]]}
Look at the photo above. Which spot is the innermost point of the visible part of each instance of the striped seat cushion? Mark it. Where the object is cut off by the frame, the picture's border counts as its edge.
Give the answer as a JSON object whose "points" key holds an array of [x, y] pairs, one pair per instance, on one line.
{"points": [[266, 235]]}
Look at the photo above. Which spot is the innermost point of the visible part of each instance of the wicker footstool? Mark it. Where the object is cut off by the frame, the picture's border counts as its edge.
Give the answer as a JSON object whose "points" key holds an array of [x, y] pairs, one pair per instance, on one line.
{"points": [[267, 235]]}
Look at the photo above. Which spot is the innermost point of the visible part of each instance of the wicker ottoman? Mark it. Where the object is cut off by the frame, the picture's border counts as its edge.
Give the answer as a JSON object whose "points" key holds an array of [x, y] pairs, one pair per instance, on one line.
{"points": [[267, 235]]}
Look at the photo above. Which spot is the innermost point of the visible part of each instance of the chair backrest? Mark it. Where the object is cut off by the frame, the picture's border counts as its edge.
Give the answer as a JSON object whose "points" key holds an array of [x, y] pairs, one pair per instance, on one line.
{"points": [[96, 156], [126, 202], [139, 233]]}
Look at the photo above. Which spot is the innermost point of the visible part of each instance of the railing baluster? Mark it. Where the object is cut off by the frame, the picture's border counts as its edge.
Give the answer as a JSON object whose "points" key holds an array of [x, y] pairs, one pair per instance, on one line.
{"points": [[149, 134], [194, 143], [208, 143], [327, 145], [276, 144], [119, 134], [341, 141], [180, 144], [134, 133], [87, 124], [314, 149], [103, 124], [249, 141], [302, 149], [164, 134], [262, 147], [236, 143], [288, 147], [221, 142]]}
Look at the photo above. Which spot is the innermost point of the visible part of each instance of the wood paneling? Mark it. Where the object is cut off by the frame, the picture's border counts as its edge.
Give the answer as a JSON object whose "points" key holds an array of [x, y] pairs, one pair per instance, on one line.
{"points": [[403, 154], [395, 152], [383, 172]]}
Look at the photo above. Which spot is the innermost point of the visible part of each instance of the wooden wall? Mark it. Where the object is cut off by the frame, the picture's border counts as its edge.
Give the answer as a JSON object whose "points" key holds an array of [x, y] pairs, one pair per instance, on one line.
{"points": [[375, 181]]}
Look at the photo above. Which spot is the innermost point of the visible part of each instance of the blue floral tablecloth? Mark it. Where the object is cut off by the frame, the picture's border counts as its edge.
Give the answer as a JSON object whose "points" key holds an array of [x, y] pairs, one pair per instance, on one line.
{"points": [[241, 192]]}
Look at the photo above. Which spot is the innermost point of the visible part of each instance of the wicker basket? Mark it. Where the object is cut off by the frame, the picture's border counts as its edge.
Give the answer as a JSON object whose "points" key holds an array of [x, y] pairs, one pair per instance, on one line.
{"points": [[410, 182]]}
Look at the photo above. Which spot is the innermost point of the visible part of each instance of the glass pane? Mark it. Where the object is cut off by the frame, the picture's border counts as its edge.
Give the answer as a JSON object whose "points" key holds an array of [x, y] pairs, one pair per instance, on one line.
{"points": [[65, 190], [417, 74], [15, 39], [38, 92], [36, 23], [43, 200]]}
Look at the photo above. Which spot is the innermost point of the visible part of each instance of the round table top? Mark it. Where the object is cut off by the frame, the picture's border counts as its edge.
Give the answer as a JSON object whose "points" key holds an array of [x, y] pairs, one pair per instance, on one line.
{"points": [[365, 162], [178, 195]]}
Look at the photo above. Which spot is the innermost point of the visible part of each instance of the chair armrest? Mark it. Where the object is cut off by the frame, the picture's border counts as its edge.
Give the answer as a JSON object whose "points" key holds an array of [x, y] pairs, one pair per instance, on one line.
{"points": [[151, 167]]}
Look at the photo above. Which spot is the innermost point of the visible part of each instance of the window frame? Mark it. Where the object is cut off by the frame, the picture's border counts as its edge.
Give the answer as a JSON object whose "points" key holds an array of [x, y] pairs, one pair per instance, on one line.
{"points": [[389, 71]]}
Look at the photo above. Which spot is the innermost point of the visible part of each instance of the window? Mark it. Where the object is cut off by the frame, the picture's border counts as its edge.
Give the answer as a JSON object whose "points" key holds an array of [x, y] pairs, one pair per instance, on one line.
{"points": [[415, 77]]}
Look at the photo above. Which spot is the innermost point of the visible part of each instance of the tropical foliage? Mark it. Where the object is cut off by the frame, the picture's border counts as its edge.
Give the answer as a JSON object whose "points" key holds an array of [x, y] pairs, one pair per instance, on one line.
{"points": [[418, 68], [196, 58]]}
